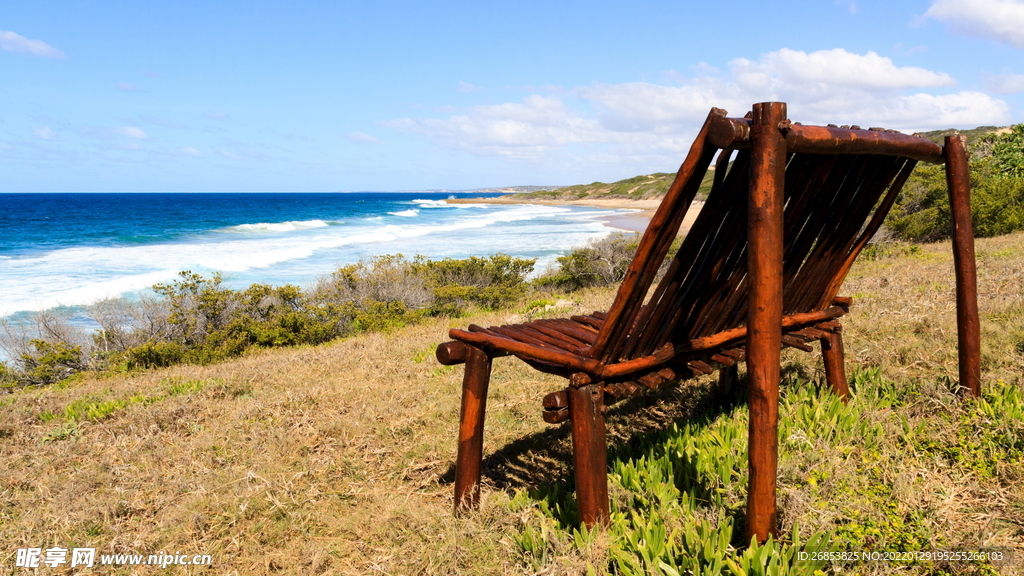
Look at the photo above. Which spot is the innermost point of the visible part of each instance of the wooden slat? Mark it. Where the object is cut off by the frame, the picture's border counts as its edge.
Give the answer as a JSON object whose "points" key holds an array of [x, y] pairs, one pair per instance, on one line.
{"points": [[568, 342], [672, 350], [654, 244]]}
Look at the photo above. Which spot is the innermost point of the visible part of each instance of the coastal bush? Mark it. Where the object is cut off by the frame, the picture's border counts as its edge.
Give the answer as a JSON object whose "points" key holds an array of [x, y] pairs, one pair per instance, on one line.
{"points": [[153, 354], [127, 323], [922, 214], [196, 319], [494, 282], [600, 263], [50, 362]]}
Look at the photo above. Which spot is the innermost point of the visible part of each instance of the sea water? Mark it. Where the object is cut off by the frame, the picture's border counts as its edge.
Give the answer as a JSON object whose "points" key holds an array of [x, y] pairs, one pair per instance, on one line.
{"points": [[76, 249]]}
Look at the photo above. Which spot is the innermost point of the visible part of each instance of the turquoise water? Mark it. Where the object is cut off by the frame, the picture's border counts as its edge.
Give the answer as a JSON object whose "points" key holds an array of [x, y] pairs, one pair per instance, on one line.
{"points": [[75, 249]]}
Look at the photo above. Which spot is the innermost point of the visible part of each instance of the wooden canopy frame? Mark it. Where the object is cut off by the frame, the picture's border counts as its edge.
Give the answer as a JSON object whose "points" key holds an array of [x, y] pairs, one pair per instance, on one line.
{"points": [[809, 199]]}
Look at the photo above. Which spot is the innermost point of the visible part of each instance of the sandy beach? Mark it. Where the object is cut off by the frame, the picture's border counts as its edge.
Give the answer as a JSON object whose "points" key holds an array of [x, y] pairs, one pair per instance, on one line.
{"points": [[633, 222]]}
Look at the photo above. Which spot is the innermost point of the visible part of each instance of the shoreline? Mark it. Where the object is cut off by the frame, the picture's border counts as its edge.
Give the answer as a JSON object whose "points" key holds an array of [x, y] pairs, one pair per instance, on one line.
{"points": [[633, 222]]}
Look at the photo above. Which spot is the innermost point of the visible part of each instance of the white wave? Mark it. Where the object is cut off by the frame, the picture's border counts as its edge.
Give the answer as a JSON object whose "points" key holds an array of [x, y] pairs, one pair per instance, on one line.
{"points": [[411, 213], [65, 290], [279, 226], [431, 203]]}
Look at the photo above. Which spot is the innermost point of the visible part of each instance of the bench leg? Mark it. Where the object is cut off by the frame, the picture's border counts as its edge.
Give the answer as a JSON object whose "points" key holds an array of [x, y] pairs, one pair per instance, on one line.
{"points": [[589, 453], [471, 429], [764, 319], [968, 327], [835, 367]]}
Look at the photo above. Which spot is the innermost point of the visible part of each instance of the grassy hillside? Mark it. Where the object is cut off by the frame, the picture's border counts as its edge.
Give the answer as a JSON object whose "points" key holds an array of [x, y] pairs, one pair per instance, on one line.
{"points": [[338, 459], [973, 135], [650, 186]]}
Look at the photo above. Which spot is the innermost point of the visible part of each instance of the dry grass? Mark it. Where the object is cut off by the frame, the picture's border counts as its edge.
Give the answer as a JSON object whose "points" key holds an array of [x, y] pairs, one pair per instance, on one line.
{"points": [[904, 313], [337, 459]]}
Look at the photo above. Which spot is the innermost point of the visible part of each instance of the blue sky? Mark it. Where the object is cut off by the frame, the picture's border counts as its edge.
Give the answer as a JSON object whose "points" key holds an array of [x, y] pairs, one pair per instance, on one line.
{"points": [[325, 96]]}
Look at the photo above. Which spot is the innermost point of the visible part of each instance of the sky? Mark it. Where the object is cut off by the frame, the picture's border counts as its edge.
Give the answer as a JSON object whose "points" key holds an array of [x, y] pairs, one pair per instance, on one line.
{"points": [[219, 96]]}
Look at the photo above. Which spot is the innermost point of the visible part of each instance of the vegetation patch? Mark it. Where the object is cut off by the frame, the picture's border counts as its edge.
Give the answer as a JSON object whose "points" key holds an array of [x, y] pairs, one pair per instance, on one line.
{"points": [[845, 484], [921, 212]]}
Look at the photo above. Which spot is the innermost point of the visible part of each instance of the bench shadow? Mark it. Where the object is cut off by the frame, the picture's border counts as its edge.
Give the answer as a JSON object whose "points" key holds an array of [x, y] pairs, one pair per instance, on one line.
{"points": [[545, 458]]}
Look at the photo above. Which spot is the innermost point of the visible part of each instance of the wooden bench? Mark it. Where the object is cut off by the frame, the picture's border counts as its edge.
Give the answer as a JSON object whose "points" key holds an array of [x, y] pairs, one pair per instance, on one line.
{"points": [[790, 209]]}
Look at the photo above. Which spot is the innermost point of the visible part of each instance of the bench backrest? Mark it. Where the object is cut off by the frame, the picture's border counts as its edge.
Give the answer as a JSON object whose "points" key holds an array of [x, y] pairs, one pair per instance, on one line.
{"points": [[839, 186]]}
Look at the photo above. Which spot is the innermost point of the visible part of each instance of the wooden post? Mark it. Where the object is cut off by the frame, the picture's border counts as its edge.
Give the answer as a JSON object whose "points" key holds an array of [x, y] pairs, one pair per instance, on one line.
{"points": [[835, 367], [471, 429], [589, 452], [764, 316], [968, 329]]}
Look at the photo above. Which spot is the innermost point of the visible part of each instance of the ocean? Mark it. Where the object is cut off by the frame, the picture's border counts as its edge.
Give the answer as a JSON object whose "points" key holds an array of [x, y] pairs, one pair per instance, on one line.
{"points": [[75, 249]]}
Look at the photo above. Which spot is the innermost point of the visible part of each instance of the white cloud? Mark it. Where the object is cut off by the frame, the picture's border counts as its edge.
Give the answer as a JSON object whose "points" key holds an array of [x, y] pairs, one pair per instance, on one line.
{"points": [[830, 68], [132, 132], [467, 87], [644, 107], [189, 151], [230, 155], [515, 129], [1004, 83], [127, 87], [997, 19], [13, 42], [362, 138], [44, 133], [640, 120]]}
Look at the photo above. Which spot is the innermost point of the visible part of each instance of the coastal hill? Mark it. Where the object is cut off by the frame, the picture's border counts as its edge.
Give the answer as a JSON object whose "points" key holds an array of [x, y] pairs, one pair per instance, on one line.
{"points": [[654, 186], [644, 187], [973, 135]]}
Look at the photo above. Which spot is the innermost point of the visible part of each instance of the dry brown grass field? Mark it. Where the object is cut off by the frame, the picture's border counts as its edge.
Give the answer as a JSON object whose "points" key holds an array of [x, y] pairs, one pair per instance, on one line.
{"points": [[338, 459]]}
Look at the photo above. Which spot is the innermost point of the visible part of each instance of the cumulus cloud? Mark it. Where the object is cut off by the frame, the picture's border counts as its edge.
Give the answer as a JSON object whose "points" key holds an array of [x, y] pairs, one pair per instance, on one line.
{"points": [[362, 138], [133, 132], [997, 19], [641, 119], [829, 68], [1004, 83], [44, 133], [13, 42]]}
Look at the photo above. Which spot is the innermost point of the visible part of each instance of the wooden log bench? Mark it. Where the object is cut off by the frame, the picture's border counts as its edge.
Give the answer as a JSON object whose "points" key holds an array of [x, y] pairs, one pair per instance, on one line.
{"points": [[790, 208]]}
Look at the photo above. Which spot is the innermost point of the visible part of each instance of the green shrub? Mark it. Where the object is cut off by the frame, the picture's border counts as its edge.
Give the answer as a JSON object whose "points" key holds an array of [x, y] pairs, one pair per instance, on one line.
{"points": [[199, 305], [50, 362], [154, 355], [493, 282], [599, 263], [922, 214]]}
